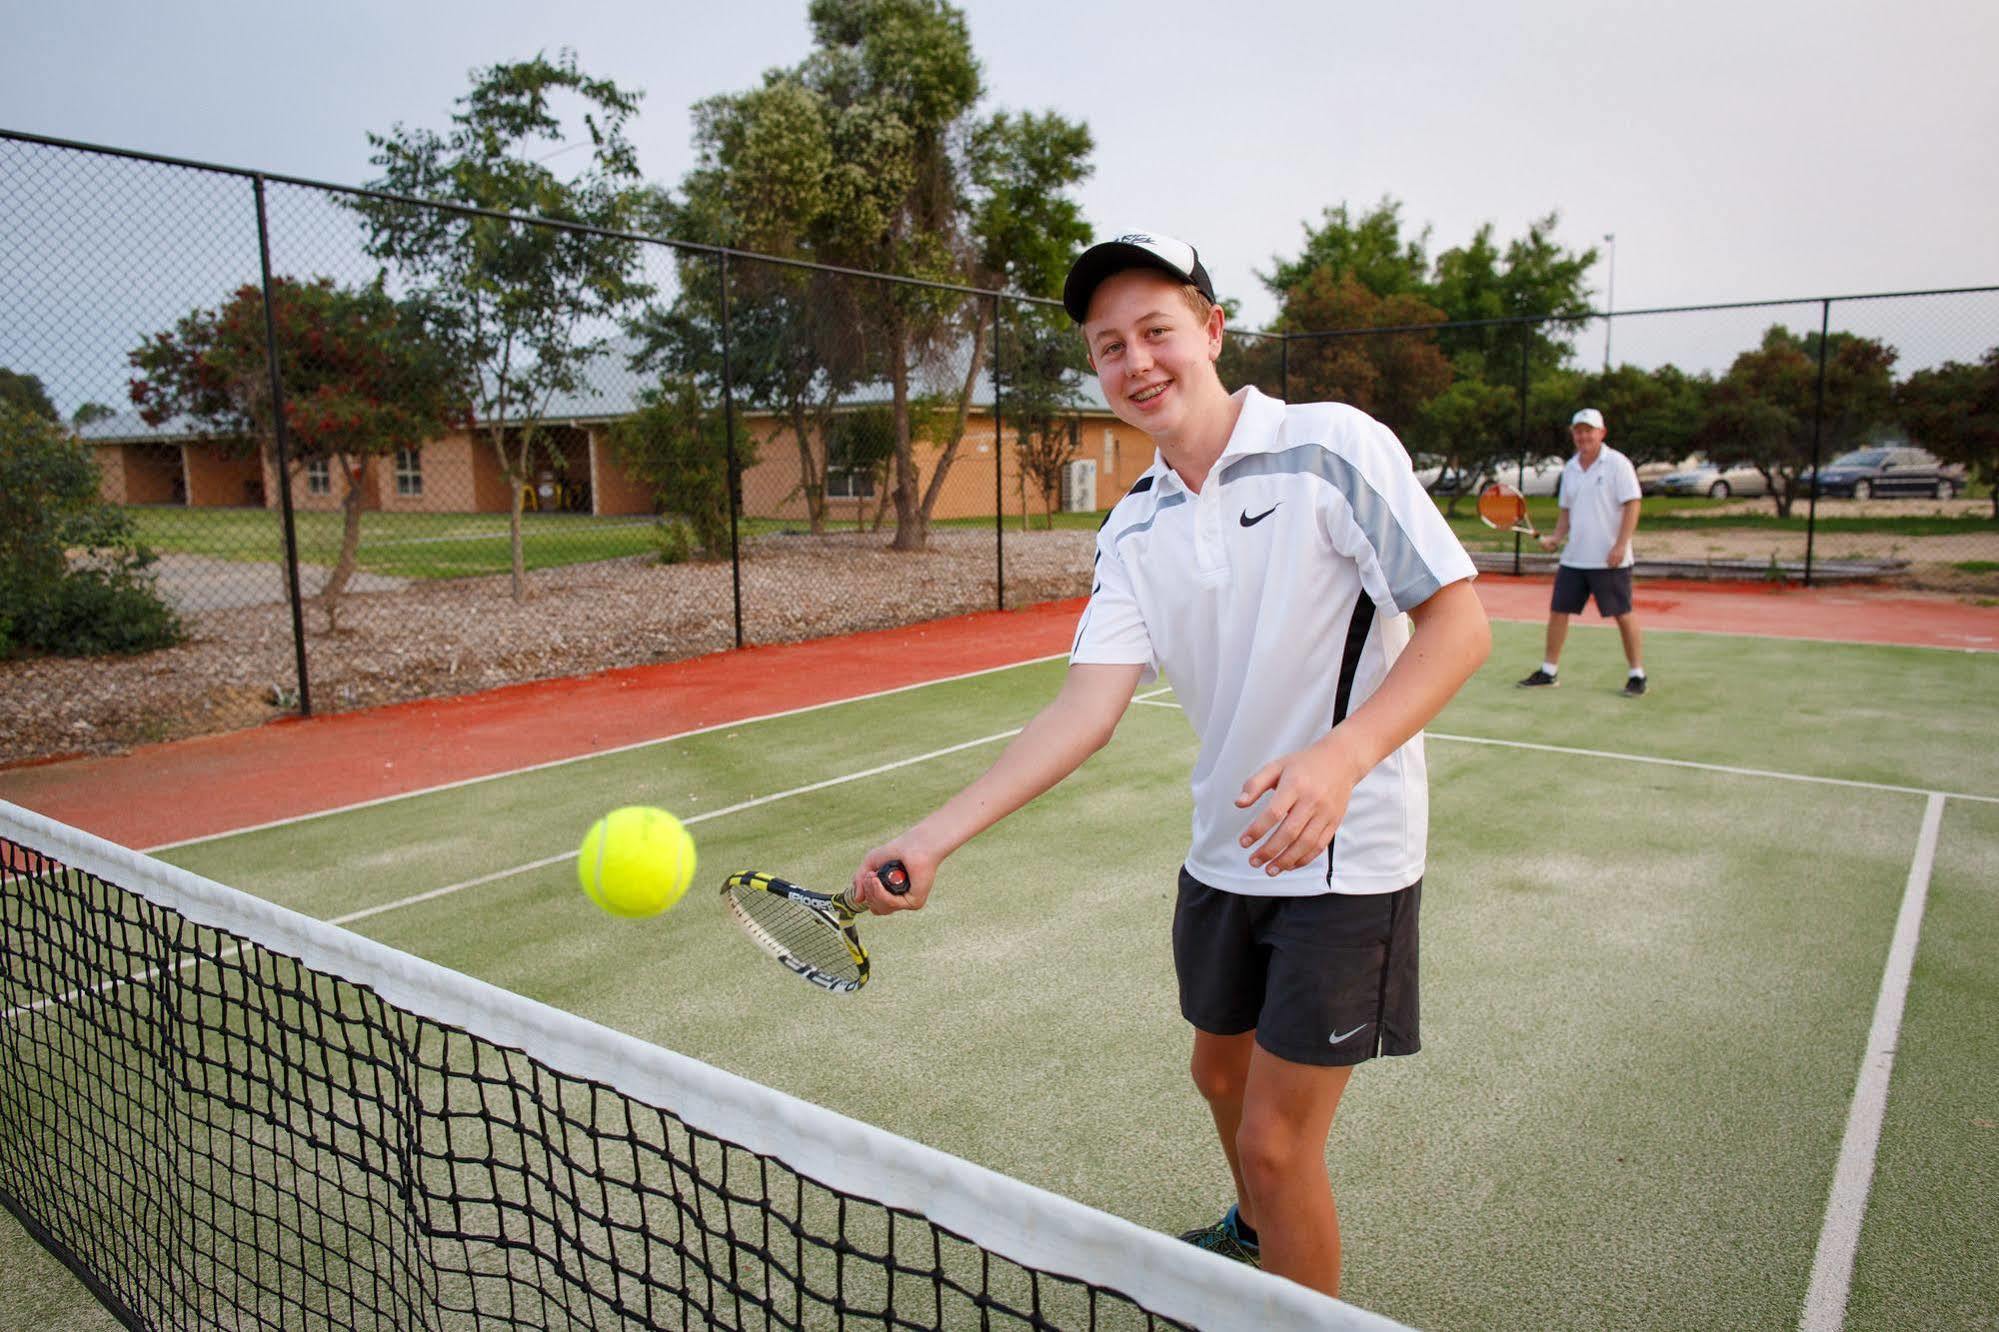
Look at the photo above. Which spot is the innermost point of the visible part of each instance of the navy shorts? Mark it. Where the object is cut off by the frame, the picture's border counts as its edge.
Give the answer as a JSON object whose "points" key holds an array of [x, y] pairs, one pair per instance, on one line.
{"points": [[1574, 587], [1328, 979]]}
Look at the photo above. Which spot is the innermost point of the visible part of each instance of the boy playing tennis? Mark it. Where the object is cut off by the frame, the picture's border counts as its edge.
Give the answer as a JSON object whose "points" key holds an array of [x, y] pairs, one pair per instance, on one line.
{"points": [[1264, 563]]}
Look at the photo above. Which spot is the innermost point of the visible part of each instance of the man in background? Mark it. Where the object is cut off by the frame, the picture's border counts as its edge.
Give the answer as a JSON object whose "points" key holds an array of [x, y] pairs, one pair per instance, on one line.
{"points": [[1599, 499]]}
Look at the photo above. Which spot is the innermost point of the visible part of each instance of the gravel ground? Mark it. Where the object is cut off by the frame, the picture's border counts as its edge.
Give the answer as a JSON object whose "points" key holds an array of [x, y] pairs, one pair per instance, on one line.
{"points": [[433, 639]]}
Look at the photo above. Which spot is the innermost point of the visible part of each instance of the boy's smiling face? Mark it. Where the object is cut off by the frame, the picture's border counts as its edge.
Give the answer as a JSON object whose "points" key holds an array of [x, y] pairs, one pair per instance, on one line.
{"points": [[1154, 357]]}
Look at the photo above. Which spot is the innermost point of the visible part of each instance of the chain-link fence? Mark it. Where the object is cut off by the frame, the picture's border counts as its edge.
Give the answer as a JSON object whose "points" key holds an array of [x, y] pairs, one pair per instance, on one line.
{"points": [[386, 449], [1815, 441]]}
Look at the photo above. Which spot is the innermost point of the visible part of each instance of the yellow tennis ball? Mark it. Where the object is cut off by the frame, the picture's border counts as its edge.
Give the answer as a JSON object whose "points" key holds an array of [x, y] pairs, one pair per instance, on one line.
{"points": [[636, 861]]}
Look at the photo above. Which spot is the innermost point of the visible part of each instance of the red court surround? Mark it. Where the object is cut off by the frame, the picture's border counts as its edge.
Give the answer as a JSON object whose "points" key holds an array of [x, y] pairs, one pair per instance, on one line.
{"points": [[194, 788]]}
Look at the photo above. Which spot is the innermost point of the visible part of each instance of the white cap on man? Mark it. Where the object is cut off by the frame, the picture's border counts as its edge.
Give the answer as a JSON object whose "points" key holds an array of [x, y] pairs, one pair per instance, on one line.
{"points": [[1588, 416]]}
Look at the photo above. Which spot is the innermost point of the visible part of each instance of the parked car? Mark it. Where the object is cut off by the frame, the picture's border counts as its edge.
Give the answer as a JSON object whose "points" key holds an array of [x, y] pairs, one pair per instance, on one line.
{"points": [[1890, 470], [1701, 477], [1542, 477]]}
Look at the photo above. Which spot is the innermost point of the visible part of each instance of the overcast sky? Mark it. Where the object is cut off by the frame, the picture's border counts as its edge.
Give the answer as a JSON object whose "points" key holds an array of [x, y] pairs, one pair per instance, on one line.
{"points": [[1738, 150]]}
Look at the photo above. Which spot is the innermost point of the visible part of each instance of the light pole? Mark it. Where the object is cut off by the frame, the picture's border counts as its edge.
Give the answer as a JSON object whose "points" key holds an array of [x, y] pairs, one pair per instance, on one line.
{"points": [[1609, 296]]}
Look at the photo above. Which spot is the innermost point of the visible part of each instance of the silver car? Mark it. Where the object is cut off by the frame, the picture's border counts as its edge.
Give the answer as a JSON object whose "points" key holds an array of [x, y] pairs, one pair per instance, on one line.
{"points": [[1704, 478]]}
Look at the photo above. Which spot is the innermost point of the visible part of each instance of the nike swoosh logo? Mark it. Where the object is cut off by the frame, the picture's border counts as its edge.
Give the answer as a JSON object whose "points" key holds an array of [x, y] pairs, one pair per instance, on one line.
{"points": [[1248, 521], [1337, 1037]]}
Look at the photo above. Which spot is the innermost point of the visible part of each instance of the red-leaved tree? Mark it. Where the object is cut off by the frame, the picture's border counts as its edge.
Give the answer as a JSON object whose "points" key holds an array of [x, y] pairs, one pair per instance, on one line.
{"points": [[362, 375]]}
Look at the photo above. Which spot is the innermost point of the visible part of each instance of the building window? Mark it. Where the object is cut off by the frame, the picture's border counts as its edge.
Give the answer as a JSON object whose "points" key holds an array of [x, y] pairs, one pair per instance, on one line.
{"points": [[318, 478], [850, 483], [409, 471]]}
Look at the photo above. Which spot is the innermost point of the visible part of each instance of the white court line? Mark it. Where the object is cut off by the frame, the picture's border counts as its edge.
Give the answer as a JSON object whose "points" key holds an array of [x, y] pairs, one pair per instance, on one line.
{"points": [[496, 875], [432, 894], [1150, 698], [1974, 645], [1711, 767], [1695, 765], [593, 754], [1846, 1207], [876, 771]]}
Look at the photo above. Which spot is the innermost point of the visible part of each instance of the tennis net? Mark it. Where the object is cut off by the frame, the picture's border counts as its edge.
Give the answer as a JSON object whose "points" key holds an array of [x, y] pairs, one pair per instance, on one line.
{"points": [[220, 1113]]}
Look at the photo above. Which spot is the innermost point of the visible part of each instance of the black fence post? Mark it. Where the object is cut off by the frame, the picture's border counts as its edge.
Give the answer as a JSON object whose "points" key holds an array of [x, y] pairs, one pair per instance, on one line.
{"points": [[283, 450], [1284, 366], [735, 470], [999, 455], [1818, 423], [1526, 340]]}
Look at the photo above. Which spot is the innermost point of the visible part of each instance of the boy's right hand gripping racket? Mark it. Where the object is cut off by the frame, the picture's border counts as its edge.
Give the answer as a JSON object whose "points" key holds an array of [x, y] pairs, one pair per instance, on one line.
{"points": [[812, 934], [1503, 507]]}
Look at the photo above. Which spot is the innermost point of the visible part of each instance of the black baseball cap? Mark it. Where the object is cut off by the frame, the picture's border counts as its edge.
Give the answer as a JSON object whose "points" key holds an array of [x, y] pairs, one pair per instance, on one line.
{"points": [[1134, 249]]}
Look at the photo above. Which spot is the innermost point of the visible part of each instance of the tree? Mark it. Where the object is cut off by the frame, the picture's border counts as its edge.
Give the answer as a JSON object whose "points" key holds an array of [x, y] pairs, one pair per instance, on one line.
{"points": [[1389, 376], [1472, 427], [1652, 415], [519, 296], [90, 412], [1042, 364], [26, 393], [1953, 411], [1762, 412], [1533, 279], [868, 155], [363, 376], [73, 576], [1369, 249], [677, 444], [1025, 231]]}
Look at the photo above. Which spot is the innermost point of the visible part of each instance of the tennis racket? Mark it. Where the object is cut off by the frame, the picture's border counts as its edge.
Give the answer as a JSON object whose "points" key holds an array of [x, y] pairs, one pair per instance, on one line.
{"points": [[812, 934], [1503, 507]]}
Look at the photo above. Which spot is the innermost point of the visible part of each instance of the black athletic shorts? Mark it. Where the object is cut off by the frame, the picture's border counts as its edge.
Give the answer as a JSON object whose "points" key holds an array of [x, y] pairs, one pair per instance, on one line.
{"points": [[1574, 587], [1327, 979]]}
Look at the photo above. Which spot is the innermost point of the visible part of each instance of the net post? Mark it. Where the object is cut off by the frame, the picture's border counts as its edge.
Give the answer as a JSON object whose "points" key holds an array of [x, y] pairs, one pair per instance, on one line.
{"points": [[1818, 424], [999, 456], [281, 444], [734, 464]]}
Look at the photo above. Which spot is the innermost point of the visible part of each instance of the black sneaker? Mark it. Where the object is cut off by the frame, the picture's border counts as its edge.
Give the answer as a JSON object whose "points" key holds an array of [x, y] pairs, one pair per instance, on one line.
{"points": [[1225, 1239], [1538, 679], [1634, 686]]}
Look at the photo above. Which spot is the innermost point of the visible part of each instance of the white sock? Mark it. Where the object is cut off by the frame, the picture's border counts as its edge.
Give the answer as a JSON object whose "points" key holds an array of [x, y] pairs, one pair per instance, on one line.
{"points": [[1549, 667], [1638, 672]]}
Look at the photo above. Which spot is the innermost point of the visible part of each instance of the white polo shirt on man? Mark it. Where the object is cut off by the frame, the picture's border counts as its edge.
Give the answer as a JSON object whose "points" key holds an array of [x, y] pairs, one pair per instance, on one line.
{"points": [[1273, 601], [1595, 497]]}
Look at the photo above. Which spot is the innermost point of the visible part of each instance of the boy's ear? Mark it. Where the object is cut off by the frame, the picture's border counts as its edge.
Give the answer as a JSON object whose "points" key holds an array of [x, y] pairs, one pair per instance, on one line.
{"points": [[1215, 321]]}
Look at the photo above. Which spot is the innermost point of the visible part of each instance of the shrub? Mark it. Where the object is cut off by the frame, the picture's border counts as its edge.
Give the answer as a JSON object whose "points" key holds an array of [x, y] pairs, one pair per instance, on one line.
{"points": [[73, 577], [674, 540]]}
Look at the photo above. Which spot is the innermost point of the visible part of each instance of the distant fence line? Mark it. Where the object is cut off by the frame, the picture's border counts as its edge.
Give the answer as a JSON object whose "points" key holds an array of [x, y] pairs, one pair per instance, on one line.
{"points": [[795, 483]]}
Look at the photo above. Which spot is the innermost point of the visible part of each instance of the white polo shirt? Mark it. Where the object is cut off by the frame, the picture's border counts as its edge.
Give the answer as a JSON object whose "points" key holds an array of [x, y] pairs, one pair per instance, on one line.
{"points": [[1273, 601], [1595, 497]]}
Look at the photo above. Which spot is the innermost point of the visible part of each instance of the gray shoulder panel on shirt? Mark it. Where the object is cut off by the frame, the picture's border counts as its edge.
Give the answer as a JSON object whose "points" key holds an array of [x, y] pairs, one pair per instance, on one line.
{"points": [[1410, 578], [1164, 502]]}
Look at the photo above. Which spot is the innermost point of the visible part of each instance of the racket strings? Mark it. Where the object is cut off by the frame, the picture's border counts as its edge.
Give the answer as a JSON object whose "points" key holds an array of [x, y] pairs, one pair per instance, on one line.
{"points": [[795, 929]]}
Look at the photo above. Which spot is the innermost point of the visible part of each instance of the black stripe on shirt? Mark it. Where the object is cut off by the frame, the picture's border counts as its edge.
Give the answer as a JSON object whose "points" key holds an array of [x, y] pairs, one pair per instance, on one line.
{"points": [[1357, 630]]}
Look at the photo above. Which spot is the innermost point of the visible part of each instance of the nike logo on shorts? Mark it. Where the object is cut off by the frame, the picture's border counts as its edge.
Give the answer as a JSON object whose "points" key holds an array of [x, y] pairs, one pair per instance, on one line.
{"points": [[1339, 1036], [1248, 521]]}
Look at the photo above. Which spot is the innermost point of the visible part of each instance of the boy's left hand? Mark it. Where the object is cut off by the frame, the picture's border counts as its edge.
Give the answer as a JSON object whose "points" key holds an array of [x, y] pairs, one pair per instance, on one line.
{"points": [[1311, 788]]}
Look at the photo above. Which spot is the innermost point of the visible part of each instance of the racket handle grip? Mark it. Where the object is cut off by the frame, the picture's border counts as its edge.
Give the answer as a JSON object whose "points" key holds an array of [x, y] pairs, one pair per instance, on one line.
{"points": [[894, 877]]}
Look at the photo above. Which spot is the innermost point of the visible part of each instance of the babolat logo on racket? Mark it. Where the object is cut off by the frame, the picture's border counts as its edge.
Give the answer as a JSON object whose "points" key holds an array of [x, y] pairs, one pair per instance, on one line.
{"points": [[812, 934]]}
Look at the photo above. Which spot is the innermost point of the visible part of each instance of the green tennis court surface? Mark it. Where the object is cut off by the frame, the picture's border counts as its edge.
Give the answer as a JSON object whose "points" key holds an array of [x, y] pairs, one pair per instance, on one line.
{"points": [[1649, 985]]}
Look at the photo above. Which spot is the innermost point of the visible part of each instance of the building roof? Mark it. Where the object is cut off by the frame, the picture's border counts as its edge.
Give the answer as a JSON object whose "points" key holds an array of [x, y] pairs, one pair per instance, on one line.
{"points": [[611, 390]]}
